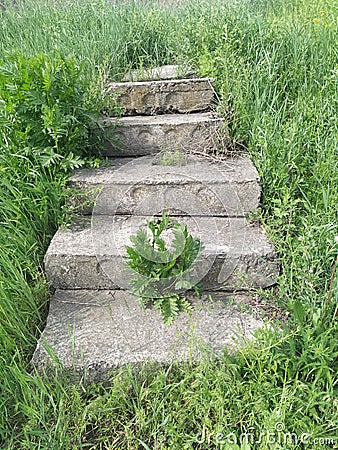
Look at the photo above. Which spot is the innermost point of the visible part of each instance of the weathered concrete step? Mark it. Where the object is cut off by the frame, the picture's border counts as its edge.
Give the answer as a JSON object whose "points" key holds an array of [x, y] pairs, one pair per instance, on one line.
{"points": [[94, 332], [145, 135], [92, 255], [143, 186], [164, 96], [167, 72]]}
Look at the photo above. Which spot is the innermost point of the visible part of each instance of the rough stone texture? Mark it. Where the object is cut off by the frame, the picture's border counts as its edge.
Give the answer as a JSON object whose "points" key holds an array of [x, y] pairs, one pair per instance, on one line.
{"points": [[168, 72], [145, 135], [199, 187], [163, 97], [235, 255], [93, 332]]}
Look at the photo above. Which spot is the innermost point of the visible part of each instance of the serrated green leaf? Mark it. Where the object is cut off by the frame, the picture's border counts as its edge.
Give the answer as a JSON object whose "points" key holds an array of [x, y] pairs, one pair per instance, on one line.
{"points": [[183, 284], [160, 273]]}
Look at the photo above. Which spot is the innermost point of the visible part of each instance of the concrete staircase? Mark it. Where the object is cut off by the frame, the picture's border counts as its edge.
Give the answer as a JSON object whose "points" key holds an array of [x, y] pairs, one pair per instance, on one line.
{"points": [[94, 324]]}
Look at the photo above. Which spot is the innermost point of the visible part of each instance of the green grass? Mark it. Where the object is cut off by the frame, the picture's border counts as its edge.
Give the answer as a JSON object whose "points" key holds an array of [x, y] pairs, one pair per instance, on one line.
{"points": [[276, 65]]}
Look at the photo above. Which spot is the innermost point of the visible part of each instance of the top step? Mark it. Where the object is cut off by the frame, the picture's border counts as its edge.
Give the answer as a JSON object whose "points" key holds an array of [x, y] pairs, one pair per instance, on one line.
{"points": [[164, 96], [167, 72]]}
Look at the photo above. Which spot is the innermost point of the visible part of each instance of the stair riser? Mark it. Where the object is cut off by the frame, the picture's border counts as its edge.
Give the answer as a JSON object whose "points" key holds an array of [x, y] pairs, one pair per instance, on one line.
{"points": [[232, 272], [163, 97], [194, 199], [128, 138]]}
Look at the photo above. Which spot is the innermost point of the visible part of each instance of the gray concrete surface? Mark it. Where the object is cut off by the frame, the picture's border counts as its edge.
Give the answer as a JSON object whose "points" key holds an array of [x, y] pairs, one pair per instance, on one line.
{"points": [[146, 135], [93, 256], [163, 97], [167, 72], [137, 186], [94, 332]]}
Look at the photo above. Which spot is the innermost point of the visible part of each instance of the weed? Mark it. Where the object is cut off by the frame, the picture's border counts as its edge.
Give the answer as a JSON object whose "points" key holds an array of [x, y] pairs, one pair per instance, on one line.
{"points": [[175, 157], [161, 274], [46, 100]]}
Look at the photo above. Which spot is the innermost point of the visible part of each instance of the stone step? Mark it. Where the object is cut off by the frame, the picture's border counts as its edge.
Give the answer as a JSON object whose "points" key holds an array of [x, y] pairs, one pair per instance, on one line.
{"points": [[163, 96], [92, 255], [144, 135], [144, 186], [167, 72], [94, 332]]}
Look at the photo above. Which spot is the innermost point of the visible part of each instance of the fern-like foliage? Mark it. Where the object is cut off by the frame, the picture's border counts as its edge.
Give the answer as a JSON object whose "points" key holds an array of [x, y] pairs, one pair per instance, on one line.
{"points": [[160, 272]]}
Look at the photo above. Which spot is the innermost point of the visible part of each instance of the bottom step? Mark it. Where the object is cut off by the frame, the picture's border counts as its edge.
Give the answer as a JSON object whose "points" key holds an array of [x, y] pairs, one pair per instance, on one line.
{"points": [[93, 332]]}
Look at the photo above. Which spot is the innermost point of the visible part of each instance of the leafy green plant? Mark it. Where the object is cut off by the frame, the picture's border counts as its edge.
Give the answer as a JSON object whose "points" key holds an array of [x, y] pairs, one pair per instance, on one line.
{"points": [[161, 275], [45, 98]]}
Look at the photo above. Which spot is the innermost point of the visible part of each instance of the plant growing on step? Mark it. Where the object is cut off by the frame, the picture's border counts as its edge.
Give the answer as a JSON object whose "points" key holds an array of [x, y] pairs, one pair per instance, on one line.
{"points": [[161, 260], [174, 157]]}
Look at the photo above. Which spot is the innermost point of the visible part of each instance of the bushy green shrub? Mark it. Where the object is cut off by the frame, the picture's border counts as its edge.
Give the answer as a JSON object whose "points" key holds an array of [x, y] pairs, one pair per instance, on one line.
{"points": [[45, 100]]}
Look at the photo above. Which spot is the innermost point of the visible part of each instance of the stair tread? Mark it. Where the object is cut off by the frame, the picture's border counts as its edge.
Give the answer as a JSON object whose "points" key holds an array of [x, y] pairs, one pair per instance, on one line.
{"points": [[162, 119], [232, 234], [146, 169], [162, 82], [224, 188], [96, 331], [166, 72]]}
